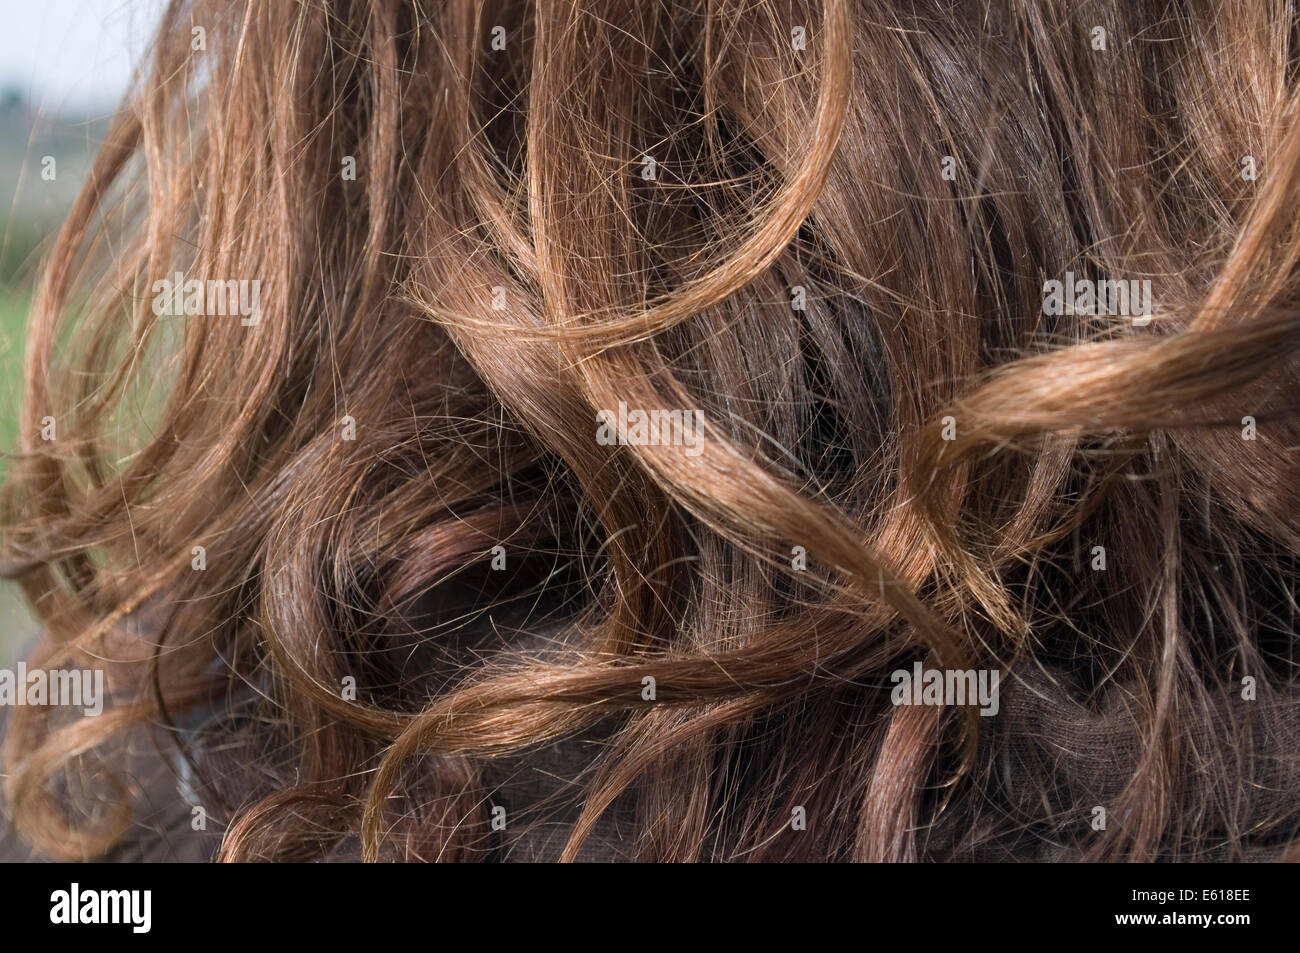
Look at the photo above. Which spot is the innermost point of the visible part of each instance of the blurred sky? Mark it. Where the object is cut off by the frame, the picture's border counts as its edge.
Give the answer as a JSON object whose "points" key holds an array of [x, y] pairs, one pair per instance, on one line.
{"points": [[73, 55]]}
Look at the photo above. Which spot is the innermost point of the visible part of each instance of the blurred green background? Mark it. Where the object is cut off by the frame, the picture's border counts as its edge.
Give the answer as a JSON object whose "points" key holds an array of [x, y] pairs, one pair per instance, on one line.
{"points": [[64, 68], [32, 207]]}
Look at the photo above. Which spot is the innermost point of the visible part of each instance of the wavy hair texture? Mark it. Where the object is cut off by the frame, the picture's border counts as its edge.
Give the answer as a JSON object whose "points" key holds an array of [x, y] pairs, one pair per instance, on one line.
{"points": [[826, 228]]}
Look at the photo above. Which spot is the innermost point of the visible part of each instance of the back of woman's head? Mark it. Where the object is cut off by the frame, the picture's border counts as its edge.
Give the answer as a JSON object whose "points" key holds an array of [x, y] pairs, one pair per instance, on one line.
{"points": [[418, 390]]}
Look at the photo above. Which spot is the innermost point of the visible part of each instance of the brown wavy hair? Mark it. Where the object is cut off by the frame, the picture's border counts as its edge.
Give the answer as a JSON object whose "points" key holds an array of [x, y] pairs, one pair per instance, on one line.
{"points": [[824, 228]]}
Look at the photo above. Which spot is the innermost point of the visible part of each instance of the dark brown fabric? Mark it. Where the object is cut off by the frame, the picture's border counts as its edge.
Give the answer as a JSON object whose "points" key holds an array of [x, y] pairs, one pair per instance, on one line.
{"points": [[161, 828], [1058, 757], [163, 802]]}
